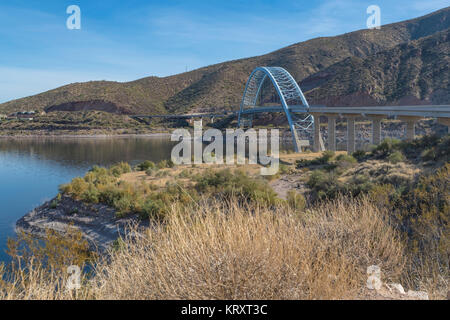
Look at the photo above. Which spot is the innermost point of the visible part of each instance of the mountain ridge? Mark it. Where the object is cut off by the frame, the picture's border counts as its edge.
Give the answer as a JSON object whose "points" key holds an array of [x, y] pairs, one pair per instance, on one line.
{"points": [[220, 86], [411, 73]]}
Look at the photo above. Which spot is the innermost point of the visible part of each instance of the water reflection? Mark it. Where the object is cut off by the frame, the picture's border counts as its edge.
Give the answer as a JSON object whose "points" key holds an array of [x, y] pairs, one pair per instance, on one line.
{"points": [[82, 151], [31, 169]]}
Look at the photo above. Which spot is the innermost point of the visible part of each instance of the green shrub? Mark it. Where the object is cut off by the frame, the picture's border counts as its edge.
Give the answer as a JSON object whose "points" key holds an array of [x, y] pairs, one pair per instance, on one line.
{"points": [[91, 194], [153, 209], [396, 157], [119, 169], [75, 188], [185, 174], [386, 147], [322, 160], [359, 155], [359, 184], [144, 166], [284, 169], [109, 195], [344, 162], [326, 156], [296, 200], [225, 184], [434, 148], [162, 174], [383, 194], [124, 204], [165, 164], [53, 204], [324, 185]]}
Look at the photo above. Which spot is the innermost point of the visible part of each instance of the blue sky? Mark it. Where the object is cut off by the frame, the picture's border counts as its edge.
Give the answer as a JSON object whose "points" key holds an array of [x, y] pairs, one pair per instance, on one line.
{"points": [[127, 40]]}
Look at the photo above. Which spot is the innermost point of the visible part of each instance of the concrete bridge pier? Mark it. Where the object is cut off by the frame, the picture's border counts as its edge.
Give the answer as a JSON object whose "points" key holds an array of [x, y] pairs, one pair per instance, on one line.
{"points": [[318, 142], [445, 122], [376, 129], [410, 126], [331, 131], [351, 136]]}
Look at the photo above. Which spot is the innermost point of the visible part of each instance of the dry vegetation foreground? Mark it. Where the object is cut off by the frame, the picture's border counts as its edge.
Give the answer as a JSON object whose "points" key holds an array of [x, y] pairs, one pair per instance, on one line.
{"points": [[226, 251], [226, 234]]}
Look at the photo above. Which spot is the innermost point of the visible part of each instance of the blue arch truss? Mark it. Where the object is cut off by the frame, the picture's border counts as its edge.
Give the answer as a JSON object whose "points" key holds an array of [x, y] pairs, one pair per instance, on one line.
{"points": [[293, 101]]}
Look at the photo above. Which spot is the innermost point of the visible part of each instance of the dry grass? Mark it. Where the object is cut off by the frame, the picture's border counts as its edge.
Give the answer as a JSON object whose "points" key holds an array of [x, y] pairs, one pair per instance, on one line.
{"points": [[226, 252], [383, 172], [34, 282], [137, 177]]}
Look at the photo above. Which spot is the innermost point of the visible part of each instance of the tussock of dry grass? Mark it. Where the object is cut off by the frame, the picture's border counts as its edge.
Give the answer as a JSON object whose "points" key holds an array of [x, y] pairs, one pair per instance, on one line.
{"points": [[226, 252]]}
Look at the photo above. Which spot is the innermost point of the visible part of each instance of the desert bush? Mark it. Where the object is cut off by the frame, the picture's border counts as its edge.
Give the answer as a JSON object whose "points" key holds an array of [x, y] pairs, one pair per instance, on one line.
{"points": [[162, 174], [396, 157], [165, 164], [119, 169], [75, 188], [322, 160], [153, 209], [344, 162], [91, 194], [359, 155], [284, 169], [386, 147], [226, 184], [434, 148], [144, 166], [53, 204], [427, 148], [424, 213], [185, 174], [296, 200], [324, 185]]}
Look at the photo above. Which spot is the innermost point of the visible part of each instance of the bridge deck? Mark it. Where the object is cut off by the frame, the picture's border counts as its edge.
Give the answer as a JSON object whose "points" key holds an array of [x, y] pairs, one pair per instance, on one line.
{"points": [[184, 116], [426, 111], [430, 111]]}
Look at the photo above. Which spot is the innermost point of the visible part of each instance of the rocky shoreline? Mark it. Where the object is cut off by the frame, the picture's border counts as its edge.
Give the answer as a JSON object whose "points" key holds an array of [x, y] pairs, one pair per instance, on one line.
{"points": [[87, 136], [97, 222]]}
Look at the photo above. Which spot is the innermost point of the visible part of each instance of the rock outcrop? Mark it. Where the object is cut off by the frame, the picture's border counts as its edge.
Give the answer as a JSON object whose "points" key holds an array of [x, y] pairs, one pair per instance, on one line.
{"points": [[389, 291], [98, 223]]}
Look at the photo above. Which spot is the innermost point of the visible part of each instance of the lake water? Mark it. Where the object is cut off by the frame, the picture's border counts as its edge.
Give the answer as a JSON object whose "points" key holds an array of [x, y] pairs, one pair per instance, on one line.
{"points": [[31, 169]]}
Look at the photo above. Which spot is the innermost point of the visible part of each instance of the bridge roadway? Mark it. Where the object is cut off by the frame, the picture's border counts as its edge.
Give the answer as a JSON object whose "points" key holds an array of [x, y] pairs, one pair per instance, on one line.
{"points": [[409, 114], [424, 111], [184, 116]]}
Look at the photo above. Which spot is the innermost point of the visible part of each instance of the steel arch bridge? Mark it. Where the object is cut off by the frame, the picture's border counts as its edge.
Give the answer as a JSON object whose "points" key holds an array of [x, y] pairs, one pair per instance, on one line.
{"points": [[293, 101]]}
